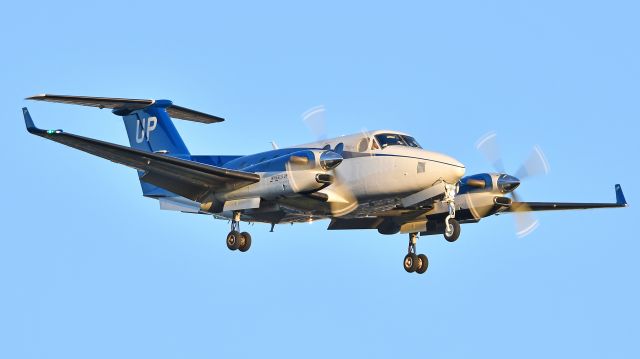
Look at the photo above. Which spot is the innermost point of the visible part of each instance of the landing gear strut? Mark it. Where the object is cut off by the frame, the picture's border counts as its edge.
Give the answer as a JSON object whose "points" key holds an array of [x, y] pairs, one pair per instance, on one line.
{"points": [[415, 262], [235, 239], [452, 227]]}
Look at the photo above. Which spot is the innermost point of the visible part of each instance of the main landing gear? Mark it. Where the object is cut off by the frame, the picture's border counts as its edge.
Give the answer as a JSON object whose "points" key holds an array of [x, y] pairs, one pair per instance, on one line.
{"points": [[415, 262], [235, 239]]}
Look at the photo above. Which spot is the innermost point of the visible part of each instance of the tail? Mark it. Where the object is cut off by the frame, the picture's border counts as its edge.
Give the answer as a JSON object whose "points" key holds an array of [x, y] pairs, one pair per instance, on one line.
{"points": [[148, 124], [151, 129]]}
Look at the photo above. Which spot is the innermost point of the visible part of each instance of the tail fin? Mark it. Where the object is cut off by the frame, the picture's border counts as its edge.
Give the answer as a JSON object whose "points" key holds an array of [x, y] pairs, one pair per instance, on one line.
{"points": [[148, 124], [151, 129]]}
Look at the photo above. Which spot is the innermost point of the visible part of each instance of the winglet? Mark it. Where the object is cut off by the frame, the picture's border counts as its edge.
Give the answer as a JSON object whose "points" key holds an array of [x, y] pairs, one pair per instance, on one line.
{"points": [[31, 127], [620, 200]]}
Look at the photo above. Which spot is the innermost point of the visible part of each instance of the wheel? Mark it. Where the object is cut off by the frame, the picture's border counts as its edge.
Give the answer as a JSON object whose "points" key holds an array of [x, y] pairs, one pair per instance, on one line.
{"points": [[410, 262], [423, 264], [453, 234], [233, 240], [245, 241]]}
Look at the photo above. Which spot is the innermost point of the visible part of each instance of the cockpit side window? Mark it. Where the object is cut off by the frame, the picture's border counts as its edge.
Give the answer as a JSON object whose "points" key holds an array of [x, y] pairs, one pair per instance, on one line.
{"points": [[375, 145], [390, 139]]}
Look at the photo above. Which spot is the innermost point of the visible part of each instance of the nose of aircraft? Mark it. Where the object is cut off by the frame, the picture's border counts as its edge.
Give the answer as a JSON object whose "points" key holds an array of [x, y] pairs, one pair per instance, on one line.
{"points": [[451, 170], [457, 170]]}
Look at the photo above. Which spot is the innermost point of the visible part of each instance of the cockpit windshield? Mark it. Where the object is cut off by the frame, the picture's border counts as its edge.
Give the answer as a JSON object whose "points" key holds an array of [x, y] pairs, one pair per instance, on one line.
{"points": [[393, 139], [411, 142]]}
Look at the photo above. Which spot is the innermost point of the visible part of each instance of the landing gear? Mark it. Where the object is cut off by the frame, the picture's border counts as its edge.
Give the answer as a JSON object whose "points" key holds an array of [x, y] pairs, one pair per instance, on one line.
{"points": [[235, 239], [452, 227], [245, 241], [423, 264], [452, 230], [415, 262]]}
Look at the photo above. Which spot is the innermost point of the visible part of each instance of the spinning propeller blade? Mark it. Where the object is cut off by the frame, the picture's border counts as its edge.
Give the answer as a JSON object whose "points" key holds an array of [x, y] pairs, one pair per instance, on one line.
{"points": [[536, 164], [341, 198], [481, 205], [488, 146], [526, 223], [342, 201], [314, 118]]}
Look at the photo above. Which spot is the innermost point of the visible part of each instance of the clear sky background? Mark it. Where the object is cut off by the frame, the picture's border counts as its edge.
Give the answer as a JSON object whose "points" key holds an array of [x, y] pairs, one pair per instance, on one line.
{"points": [[90, 269]]}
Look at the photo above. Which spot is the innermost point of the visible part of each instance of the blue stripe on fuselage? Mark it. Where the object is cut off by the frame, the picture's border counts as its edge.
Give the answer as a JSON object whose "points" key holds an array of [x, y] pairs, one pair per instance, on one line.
{"points": [[253, 160]]}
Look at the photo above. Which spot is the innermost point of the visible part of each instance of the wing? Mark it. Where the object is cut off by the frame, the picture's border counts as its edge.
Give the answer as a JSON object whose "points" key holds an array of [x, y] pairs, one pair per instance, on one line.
{"points": [[559, 206], [174, 111], [186, 178]]}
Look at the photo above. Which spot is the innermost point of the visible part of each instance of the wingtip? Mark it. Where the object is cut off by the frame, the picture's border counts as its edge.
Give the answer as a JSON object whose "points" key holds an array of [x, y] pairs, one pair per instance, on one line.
{"points": [[620, 200], [28, 121], [36, 97]]}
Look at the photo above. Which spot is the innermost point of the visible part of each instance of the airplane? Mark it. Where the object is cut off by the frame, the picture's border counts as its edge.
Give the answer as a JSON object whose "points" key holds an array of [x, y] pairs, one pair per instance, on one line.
{"points": [[381, 180]]}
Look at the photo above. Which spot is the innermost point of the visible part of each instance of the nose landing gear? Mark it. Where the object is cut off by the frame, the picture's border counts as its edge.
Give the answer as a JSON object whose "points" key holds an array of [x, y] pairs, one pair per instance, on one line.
{"points": [[237, 240], [452, 227], [452, 230], [415, 262]]}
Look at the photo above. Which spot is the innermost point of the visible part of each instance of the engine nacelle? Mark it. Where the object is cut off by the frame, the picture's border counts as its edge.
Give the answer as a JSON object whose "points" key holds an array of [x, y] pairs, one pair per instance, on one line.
{"points": [[304, 171]]}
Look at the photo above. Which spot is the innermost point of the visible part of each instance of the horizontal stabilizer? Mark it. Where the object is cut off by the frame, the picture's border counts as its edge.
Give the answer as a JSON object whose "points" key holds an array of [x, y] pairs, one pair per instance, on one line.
{"points": [[125, 104]]}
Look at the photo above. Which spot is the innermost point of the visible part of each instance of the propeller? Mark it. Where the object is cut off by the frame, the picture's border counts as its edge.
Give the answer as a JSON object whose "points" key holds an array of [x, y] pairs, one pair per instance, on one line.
{"points": [[536, 164], [340, 196], [314, 118]]}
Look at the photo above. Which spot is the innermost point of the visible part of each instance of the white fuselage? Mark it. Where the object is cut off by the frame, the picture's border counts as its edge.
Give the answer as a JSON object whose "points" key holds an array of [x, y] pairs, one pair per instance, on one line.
{"points": [[368, 173]]}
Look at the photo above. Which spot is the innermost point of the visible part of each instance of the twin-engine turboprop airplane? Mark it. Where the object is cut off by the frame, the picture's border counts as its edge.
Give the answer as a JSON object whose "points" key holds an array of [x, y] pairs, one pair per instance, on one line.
{"points": [[380, 180]]}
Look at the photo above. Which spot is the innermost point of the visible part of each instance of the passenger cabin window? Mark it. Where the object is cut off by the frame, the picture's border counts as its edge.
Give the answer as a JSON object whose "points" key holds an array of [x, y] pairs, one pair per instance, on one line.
{"points": [[392, 139], [363, 145]]}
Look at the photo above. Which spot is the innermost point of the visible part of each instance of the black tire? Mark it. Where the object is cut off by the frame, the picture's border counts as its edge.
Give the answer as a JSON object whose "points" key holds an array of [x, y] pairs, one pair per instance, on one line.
{"points": [[452, 237], [410, 262], [423, 262], [233, 240], [245, 241]]}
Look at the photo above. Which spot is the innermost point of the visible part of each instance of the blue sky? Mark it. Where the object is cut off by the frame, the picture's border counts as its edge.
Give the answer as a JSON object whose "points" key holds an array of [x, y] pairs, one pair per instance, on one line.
{"points": [[89, 268]]}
